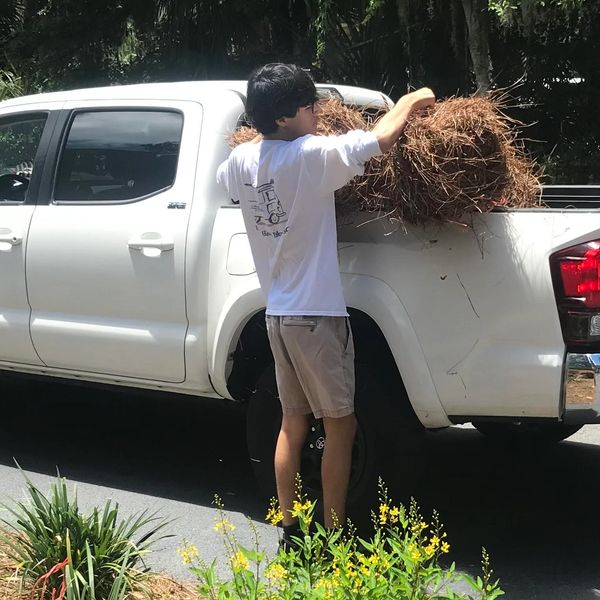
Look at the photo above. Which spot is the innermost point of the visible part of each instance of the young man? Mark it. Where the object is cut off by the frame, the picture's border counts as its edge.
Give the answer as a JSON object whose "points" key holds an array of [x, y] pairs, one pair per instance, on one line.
{"points": [[285, 184]]}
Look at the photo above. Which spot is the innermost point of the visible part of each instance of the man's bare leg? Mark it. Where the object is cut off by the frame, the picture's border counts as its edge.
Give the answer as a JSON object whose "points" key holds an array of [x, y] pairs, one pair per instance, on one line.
{"points": [[287, 460], [335, 467]]}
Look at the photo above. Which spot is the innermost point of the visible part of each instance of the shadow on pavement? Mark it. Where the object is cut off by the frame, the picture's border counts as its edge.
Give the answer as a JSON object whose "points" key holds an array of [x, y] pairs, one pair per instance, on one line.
{"points": [[181, 448], [533, 509]]}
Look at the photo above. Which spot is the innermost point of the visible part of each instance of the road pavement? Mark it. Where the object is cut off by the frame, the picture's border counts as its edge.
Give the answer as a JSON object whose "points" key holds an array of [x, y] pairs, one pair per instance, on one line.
{"points": [[534, 510]]}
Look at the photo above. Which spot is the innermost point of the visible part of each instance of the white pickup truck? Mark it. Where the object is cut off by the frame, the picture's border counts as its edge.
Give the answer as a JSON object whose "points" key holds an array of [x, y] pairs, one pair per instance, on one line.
{"points": [[122, 262]]}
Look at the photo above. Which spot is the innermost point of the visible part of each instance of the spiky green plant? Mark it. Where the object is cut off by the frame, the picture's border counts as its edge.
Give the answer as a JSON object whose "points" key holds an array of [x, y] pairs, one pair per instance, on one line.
{"points": [[99, 548]]}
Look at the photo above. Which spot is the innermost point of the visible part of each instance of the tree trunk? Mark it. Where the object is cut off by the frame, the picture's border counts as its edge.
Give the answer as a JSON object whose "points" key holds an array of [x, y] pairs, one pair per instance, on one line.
{"points": [[458, 40], [476, 18]]}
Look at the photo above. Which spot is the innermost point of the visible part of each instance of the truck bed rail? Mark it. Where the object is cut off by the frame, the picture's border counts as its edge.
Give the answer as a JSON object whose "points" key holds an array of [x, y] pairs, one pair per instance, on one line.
{"points": [[571, 196]]}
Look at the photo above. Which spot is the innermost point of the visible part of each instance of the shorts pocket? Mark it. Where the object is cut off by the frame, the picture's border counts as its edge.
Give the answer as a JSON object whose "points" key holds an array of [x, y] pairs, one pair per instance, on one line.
{"points": [[293, 321]]}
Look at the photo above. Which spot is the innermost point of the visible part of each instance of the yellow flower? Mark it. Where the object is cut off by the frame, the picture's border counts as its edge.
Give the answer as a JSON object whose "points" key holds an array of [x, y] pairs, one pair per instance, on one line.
{"points": [[435, 540], [415, 553], [223, 525], [429, 550], [274, 516], [419, 527], [445, 547], [320, 583], [188, 554], [238, 561], [384, 510], [296, 509], [299, 508], [394, 514], [374, 559], [276, 572]]}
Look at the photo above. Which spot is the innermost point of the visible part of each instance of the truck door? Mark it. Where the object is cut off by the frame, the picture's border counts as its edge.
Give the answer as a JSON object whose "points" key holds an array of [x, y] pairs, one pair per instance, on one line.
{"points": [[106, 263], [24, 135]]}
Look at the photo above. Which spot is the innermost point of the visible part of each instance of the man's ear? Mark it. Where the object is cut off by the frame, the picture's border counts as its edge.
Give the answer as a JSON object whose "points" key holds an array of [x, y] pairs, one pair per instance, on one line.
{"points": [[282, 122]]}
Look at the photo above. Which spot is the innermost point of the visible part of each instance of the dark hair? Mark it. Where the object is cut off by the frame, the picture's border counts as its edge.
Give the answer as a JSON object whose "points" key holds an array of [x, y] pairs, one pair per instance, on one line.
{"points": [[277, 90]]}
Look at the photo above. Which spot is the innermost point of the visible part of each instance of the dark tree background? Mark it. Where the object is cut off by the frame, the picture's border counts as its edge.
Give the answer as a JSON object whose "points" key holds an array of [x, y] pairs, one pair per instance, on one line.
{"points": [[546, 52]]}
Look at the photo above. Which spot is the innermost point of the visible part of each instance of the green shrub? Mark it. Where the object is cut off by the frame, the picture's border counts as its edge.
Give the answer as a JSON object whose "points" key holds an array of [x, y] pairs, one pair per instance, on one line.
{"points": [[89, 556], [401, 561]]}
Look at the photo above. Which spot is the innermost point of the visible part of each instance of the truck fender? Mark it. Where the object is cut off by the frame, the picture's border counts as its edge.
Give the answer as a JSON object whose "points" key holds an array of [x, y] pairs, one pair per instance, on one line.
{"points": [[235, 313], [379, 301]]}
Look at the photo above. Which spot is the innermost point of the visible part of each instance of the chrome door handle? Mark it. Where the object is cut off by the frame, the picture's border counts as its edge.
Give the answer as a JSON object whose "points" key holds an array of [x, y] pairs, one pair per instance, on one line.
{"points": [[151, 240], [8, 237]]}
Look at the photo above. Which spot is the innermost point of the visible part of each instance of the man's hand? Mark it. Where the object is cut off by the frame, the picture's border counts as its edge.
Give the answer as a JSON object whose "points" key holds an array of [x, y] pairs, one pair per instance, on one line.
{"points": [[390, 126], [422, 98]]}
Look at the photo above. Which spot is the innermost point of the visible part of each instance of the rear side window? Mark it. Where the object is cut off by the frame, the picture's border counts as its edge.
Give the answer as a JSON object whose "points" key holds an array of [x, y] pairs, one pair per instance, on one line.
{"points": [[118, 155], [19, 140]]}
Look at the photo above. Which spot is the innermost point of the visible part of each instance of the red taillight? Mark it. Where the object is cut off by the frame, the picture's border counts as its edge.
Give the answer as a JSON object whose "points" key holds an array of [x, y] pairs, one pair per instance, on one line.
{"points": [[580, 273], [576, 278]]}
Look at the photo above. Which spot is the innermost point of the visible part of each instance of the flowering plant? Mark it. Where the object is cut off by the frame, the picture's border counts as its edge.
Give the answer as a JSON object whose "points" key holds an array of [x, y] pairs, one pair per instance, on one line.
{"points": [[400, 561]]}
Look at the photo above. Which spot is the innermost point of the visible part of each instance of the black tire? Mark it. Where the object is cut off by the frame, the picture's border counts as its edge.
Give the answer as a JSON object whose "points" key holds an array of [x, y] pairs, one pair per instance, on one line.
{"points": [[526, 433], [389, 442]]}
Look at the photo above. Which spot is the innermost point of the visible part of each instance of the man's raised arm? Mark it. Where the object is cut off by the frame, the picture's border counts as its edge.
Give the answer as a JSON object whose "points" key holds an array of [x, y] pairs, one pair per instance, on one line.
{"points": [[390, 126]]}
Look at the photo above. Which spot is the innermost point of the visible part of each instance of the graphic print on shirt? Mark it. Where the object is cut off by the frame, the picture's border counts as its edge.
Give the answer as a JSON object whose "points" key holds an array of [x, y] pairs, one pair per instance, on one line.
{"points": [[268, 211]]}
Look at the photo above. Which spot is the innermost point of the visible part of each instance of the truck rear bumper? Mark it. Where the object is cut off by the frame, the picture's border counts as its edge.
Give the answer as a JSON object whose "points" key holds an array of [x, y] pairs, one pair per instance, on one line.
{"points": [[581, 388]]}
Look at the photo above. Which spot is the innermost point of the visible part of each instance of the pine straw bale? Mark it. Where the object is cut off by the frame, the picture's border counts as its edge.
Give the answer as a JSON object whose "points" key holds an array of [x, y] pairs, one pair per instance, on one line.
{"points": [[459, 157]]}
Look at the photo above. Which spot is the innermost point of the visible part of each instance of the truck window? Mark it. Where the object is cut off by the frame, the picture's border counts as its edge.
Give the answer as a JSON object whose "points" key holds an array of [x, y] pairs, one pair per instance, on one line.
{"points": [[118, 155], [19, 140]]}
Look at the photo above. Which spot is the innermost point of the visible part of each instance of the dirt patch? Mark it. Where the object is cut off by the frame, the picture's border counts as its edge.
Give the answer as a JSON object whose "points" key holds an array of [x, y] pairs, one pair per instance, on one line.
{"points": [[165, 588], [581, 390]]}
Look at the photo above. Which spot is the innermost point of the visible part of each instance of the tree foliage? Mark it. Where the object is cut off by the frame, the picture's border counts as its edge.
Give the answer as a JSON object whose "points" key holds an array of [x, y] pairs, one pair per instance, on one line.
{"points": [[544, 51]]}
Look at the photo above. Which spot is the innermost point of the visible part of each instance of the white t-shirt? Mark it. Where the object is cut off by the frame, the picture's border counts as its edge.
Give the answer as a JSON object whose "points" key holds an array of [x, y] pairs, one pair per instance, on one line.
{"points": [[285, 190]]}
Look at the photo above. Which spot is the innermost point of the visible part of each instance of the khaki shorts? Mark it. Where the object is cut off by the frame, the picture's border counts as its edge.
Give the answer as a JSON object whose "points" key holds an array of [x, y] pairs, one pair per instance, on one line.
{"points": [[314, 364]]}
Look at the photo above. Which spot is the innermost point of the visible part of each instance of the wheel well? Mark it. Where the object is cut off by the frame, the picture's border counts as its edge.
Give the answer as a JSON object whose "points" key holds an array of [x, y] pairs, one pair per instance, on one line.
{"points": [[253, 354], [370, 345], [251, 357]]}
